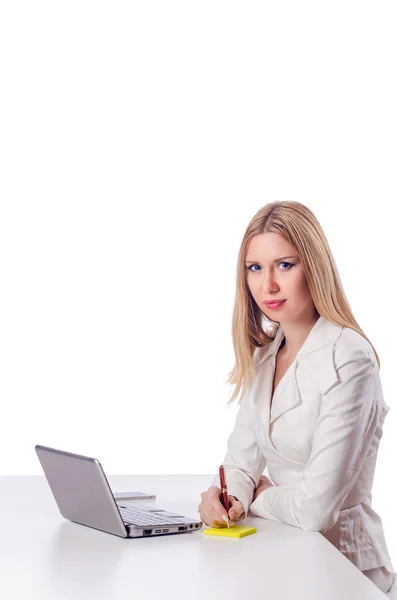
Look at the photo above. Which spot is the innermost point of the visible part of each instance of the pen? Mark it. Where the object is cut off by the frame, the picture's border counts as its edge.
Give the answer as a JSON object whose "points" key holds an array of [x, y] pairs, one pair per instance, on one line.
{"points": [[224, 498]]}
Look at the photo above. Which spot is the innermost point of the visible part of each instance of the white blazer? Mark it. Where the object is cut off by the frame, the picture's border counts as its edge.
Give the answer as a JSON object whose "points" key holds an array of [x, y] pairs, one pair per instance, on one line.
{"points": [[319, 441]]}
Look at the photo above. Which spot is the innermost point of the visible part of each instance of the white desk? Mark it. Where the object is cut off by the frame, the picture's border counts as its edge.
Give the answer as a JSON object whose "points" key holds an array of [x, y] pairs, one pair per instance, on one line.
{"points": [[44, 557]]}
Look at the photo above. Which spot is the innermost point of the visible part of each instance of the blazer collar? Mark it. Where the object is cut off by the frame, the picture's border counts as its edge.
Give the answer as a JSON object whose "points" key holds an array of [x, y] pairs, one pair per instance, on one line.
{"points": [[316, 357], [322, 335]]}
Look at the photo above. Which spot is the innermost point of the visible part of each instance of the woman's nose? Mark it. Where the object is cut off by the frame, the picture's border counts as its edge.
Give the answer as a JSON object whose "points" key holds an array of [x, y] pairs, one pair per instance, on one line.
{"points": [[269, 283]]}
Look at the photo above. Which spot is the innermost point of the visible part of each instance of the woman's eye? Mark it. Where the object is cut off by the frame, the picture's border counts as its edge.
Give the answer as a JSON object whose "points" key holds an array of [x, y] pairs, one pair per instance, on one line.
{"points": [[280, 263]]}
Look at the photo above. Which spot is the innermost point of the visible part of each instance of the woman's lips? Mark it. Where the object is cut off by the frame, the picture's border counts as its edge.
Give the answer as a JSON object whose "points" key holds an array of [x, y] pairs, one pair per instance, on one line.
{"points": [[275, 304]]}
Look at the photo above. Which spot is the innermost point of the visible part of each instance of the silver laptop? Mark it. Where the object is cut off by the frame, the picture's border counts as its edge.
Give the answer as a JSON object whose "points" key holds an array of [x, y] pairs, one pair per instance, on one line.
{"points": [[83, 495]]}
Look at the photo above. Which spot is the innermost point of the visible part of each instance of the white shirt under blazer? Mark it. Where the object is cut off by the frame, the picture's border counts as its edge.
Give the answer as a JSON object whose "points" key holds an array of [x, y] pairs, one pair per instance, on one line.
{"points": [[319, 439]]}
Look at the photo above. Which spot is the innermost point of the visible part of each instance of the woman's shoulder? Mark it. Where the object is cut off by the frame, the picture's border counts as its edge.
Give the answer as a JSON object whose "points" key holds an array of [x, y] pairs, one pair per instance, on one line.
{"points": [[352, 345]]}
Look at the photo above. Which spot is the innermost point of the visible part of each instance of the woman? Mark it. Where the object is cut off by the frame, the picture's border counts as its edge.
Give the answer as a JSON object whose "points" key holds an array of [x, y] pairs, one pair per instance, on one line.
{"points": [[311, 408]]}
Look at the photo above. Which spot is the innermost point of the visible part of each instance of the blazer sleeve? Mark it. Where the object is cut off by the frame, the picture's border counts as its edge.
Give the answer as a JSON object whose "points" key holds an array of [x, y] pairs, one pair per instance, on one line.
{"points": [[243, 463], [342, 438]]}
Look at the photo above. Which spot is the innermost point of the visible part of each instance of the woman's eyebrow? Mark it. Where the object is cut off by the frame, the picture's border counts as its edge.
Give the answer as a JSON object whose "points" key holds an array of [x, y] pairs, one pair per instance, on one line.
{"points": [[275, 260]]}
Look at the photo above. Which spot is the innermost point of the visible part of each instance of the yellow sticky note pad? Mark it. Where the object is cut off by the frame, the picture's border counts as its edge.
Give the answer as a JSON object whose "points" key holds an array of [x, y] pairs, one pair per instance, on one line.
{"points": [[234, 532]]}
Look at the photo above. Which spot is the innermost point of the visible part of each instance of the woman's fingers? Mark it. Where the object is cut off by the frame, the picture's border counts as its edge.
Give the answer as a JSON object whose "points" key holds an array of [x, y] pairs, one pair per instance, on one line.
{"points": [[237, 509], [211, 509]]}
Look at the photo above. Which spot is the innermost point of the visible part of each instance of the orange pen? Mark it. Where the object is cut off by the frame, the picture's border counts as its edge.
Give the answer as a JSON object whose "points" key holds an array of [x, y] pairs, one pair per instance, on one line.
{"points": [[224, 498]]}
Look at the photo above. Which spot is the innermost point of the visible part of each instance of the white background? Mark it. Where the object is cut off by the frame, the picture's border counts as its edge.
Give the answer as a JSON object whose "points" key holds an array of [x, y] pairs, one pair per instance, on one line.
{"points": [[137, 141]]}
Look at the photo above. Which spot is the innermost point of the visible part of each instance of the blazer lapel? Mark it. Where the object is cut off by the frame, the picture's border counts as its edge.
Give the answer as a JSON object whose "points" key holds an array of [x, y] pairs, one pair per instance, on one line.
{"points": [[286, 395], [315, 357]]}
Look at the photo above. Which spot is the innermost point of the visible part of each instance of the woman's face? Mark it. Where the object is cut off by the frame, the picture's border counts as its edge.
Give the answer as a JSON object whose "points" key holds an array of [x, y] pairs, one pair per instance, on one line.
{"points": [[270, 278]]}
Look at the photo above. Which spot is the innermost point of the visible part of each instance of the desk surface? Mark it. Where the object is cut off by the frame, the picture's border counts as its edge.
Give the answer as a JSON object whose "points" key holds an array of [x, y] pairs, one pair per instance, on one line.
{"points": [[44, 557]]}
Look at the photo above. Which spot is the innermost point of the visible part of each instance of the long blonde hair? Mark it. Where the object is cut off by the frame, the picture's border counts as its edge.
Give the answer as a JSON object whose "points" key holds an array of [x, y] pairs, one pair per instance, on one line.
{"points": [[297, 224]]}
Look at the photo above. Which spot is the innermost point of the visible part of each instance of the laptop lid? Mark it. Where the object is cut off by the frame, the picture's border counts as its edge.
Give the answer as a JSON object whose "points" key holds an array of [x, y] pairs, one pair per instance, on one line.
{"points": [[81, 490]]}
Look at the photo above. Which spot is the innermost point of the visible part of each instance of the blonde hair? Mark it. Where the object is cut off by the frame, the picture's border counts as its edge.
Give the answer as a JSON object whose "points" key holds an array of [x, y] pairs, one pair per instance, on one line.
{"points": [[297, 224]]}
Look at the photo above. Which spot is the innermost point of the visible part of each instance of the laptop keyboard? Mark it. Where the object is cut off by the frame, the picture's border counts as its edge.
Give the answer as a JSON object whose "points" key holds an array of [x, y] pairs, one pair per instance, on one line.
{"points": [[134, 516]]}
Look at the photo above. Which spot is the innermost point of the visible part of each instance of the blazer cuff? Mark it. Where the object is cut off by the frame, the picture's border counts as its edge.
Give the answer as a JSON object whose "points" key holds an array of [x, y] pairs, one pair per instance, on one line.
{"points": [[275, 503]]}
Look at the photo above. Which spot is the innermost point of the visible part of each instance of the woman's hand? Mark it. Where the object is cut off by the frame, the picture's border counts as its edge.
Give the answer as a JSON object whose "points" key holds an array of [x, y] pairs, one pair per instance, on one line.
{"points": [[263, 483], [212, 511]]}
